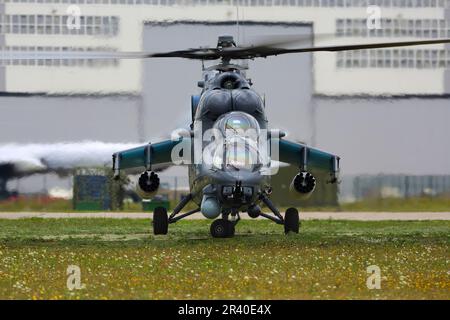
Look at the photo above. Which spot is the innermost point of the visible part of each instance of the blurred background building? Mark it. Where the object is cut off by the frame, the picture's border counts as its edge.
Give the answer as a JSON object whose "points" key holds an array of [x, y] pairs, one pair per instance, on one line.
{"points": [[384, 111]]}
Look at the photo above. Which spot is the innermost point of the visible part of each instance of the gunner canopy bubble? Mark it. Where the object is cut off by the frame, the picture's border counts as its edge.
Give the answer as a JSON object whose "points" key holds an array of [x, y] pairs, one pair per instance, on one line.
{"points": [[240, 132]]}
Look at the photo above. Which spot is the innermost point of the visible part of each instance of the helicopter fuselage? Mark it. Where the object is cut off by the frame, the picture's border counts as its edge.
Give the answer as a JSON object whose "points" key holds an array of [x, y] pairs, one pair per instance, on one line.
{"points": [[229, 150], [234, 178]]}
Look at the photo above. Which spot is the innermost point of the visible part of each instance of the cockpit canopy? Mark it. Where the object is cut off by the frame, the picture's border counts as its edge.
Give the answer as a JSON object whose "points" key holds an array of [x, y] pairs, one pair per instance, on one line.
{"points": [[235, 123], [237, 146]]}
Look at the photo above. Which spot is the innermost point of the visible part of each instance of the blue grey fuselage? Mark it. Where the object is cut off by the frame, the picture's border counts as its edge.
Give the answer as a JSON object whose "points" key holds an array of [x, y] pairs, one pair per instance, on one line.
{"points": [[224, 93]]}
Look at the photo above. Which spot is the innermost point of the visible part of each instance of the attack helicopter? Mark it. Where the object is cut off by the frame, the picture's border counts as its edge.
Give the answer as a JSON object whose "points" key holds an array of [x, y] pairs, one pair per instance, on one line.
{"points": [[230, 149]]}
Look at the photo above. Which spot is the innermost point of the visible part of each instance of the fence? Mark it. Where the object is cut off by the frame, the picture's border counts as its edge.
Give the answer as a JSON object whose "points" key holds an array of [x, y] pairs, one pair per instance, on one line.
{"points": [[393, 186]]}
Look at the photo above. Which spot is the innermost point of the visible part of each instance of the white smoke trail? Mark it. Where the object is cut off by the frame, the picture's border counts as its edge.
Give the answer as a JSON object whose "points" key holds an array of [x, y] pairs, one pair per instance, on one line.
{"points": [[29, 158]]}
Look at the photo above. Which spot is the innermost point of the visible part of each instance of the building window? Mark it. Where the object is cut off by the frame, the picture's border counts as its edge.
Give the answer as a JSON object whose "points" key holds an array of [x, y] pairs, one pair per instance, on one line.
{"points": [[420, 28], [57, 24], [394, 58], [7, 53]]}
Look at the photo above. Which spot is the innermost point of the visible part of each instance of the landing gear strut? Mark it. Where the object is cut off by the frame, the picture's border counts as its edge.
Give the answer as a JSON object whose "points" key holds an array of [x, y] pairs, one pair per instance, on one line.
{"points": [[291, 220], [224, 227]]}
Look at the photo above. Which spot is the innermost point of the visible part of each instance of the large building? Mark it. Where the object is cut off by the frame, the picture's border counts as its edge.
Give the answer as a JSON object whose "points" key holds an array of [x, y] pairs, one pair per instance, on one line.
{"points": [[383, 111], [119, 25]]}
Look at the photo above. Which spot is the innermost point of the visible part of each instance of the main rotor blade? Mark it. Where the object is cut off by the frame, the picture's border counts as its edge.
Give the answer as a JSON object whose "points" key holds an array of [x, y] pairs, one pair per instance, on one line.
{"points": [[89, 55], [285, 39], [262, 51], [259, 43], [194, 53], [203, 53], [265, 50]]}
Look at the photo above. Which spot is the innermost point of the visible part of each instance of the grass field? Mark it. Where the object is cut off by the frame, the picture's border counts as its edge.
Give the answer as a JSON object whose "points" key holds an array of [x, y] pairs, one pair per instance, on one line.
{"points": [[120, 258], [413, 204]]}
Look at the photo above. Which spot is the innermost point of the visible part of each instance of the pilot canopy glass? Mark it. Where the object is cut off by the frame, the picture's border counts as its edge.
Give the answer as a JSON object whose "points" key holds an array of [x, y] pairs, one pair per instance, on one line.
{"points": [[237, 137]]}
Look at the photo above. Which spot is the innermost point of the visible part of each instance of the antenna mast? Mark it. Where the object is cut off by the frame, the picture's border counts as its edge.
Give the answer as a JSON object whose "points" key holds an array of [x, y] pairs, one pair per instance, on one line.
{"points": [[237, 23]]}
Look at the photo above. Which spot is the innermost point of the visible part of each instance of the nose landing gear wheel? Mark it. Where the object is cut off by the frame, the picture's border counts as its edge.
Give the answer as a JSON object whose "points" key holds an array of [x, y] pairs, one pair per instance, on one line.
{"points": [[291, 221], [160, 221], [221, 228]]}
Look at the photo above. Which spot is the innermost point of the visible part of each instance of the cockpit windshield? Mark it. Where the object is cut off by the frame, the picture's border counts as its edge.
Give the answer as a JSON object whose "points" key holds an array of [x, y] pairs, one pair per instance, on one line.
{"points": [[239, 145]]}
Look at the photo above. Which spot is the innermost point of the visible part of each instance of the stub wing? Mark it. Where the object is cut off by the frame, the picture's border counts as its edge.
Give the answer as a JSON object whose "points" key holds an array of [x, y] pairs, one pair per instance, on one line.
{"points": [[307, 158], [152, 156]]}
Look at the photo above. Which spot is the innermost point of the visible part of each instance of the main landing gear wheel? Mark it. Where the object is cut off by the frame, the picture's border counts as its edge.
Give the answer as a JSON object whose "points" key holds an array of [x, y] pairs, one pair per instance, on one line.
{"points": [[160, 221], [221, 228], [291, 221]]}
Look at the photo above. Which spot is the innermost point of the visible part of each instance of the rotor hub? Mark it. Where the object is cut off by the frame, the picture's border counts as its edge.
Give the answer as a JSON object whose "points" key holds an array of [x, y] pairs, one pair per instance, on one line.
{"points": [[225, 42]]}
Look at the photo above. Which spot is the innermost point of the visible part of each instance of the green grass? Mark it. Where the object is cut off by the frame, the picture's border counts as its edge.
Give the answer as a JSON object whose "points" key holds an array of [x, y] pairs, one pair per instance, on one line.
{"points": [[35, 204], [415, 204], [120, 258]]}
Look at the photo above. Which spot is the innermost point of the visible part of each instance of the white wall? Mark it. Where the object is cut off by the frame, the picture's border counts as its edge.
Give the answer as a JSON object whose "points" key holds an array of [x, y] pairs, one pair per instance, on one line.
{"points": [[55, 119], [126, 77], [394, 136]]}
